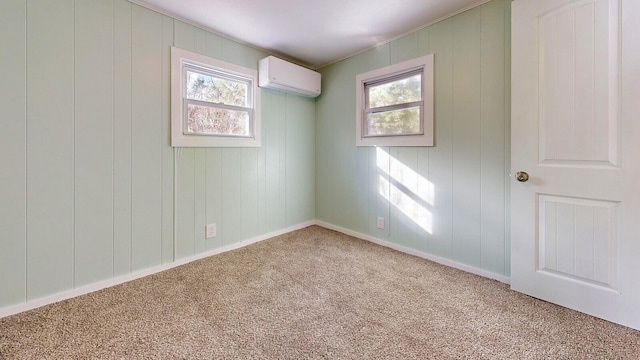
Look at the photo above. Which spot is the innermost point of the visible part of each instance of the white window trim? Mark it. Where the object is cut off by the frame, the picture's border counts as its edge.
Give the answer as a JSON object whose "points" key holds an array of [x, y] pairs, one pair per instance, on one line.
{"points": [[178, 138], [425, 139]]}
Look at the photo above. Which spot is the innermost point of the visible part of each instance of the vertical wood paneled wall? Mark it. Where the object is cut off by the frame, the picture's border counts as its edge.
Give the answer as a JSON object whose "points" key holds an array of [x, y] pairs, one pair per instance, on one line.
{"points": [[90, 188], [450, 200]]}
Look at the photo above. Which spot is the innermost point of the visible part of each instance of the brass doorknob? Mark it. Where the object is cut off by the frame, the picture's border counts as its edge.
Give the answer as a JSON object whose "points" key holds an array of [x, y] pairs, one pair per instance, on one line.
{"points": [[522, 176]]}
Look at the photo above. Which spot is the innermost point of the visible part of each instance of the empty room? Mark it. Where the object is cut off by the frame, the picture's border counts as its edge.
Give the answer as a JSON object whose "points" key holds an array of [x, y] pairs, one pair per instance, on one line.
{"points": [[337, 179]]}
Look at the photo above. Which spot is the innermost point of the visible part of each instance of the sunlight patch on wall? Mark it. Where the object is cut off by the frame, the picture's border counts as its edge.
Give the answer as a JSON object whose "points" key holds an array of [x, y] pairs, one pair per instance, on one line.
{"points": [[406, 190]]}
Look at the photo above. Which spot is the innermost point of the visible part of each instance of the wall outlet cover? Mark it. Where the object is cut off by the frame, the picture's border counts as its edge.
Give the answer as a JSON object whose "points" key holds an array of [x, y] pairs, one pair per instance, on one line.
{"points": [[210, 230]]}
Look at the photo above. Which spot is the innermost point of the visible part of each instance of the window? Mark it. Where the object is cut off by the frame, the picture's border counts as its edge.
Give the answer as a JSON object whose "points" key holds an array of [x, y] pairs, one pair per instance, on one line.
{"points": [[395, 105], [213, 103]]}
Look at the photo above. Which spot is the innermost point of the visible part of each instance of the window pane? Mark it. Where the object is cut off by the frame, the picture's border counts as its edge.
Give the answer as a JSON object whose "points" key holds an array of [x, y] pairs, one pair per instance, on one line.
{"points": [[395, 122], [397, 92], [212, 89], [213, 121]]}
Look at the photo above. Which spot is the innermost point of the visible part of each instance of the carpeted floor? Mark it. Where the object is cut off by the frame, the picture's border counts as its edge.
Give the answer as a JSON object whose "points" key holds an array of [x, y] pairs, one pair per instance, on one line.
{"points": [[311, 294]]}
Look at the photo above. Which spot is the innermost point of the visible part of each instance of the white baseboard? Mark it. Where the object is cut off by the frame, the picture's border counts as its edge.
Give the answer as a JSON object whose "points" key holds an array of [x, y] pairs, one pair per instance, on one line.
{"points": [[33, 304], [30, 305], [436, 259]]}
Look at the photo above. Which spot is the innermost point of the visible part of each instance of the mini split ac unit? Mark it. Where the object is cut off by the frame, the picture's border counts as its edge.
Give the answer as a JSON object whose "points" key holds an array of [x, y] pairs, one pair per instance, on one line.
{"points": [[282, 75]]}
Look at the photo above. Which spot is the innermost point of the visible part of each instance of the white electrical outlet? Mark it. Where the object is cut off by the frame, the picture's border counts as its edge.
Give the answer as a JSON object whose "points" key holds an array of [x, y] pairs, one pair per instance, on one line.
{"points": [[380, 223], [210, 230]]}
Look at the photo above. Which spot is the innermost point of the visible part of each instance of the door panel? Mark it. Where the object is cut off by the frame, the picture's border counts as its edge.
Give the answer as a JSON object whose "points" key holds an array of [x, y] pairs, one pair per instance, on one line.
{"points": [[575, 235], [577, 239], [578, 84]]}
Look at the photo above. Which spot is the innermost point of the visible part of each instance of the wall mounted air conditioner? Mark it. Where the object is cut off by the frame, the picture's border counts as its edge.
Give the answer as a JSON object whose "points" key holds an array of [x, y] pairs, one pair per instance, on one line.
{"points": [[274, 73]]}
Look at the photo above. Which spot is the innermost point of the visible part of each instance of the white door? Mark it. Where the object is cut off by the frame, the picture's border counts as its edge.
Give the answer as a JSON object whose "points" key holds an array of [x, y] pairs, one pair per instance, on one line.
{"points": [[575, 237]]}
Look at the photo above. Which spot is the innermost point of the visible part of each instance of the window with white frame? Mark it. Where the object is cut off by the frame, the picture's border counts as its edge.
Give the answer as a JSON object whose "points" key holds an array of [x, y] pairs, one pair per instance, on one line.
{"points": [[395, 105], [213, 103]]}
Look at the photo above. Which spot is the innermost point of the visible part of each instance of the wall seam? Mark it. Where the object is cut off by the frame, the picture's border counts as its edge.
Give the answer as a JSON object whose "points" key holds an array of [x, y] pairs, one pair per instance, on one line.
{"points": [[73, 181], [195, 201], [175, 152], [482, 129], [162, 200], [131, 141], [163, 139], [206, 222], [195, 173], [26, 148], [453, 117], [286, 188], [507, 119], [113, 141]]}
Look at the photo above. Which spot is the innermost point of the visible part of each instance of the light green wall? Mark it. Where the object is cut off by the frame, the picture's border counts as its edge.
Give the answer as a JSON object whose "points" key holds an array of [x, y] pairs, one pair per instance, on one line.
{"points": [[89, 185], [91, 190], [464, 219]]}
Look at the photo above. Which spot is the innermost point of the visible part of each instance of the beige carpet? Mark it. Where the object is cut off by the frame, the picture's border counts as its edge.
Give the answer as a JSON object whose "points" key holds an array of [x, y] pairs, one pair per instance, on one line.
{"points": [[311, 294]]}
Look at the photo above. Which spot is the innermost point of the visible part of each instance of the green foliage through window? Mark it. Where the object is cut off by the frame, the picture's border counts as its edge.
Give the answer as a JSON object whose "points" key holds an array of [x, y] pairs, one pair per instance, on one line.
{"points": [[214, 121], [216, 90], [396, 122], [393, 105], [216, 104], [396, 92]]}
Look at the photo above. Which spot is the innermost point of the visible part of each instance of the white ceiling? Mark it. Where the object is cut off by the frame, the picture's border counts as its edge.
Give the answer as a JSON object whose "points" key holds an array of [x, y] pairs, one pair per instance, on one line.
{"points": [[311, 32]]}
